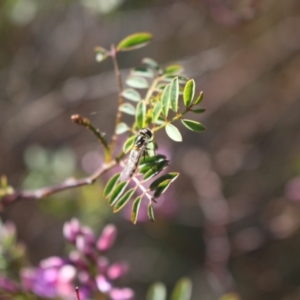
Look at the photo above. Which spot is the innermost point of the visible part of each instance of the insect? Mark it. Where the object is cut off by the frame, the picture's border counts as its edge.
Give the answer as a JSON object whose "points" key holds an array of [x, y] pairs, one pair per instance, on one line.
{"points": [[139, 148]]}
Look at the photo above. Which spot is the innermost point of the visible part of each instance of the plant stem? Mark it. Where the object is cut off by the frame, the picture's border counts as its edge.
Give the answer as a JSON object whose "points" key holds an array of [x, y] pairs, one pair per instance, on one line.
{"points": [[113, 54]]}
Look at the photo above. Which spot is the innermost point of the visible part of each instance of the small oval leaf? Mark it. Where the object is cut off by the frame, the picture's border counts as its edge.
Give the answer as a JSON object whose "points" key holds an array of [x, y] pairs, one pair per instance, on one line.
{"points": [[165, 100], [101, 54], [173, 133], [162, 187], [117, 192], [173, 69], [135, 209], [127, 108], [193, 125], [121, 128], [170, 176], [131, 94], [144, 72], [189, 92], [110, 185], [128, 144], [174, 93], [150, 213], [155, 170], [199, 98], [140, 116], [124, 200], [134, 41], [182, 290], [198, 111], [157, 291], [151, 63], [156, 112], [137, 82]]}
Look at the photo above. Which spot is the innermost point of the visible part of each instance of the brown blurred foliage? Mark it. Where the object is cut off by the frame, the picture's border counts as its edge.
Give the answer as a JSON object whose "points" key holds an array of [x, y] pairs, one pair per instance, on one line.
{"points": [[232, 222]]}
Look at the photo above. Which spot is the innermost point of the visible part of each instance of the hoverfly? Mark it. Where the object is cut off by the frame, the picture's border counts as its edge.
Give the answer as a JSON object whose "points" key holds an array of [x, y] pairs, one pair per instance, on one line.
{"points": [[139, 148]]}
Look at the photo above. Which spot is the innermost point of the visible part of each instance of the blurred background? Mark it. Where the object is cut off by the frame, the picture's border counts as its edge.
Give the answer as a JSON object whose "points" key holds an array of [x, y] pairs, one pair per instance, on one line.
{"points": [[231, 221]]}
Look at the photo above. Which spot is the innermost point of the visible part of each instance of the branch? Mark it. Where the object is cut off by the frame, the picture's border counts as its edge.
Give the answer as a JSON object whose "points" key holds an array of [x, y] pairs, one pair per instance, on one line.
{"points": [[120, 101], [46, 191]]}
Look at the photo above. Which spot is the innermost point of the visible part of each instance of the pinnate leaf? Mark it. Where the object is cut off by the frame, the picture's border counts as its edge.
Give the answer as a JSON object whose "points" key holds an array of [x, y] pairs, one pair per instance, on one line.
{"points": [[137, 82], [157, 291], [170, 176], [198, 110], [150, 212], [127, 108], [121, 128], [140, 116], [135, 209], [110, 185], [189, 92], [117, 192], [134, 41], [124, 200], [173, 133], [101, 54], [144, 72], [193, 125], [199, 98], [182, 290], [131, 94], [128, 144], [165, 100], [151, 63], [156, 111], [174, 93], [173, 69]]}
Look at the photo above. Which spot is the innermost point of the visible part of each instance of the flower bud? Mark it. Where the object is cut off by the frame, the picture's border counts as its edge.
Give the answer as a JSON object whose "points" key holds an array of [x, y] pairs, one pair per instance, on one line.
{"points": [[107, 237]]}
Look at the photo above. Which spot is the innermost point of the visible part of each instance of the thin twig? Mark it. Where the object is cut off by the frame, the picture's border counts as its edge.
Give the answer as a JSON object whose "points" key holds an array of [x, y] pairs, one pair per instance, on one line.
{"points": [[77, 119], [120, 97], [46, 191]]}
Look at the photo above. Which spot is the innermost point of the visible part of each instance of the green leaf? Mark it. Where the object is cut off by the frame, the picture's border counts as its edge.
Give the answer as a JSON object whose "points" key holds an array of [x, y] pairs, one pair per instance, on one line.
{"points": [[127, 108], [134, 41], [151, 149], [174, 92], [137, 82], [131, 94], [230, 296], [145, 72], [121, 128], [140, 116], [128, 144], [110, 185], [124, 200], [199, 98], [157, 291], [173, 69], [170, 176], [152, 160], [162, 187], [182, 290], [117, 192], [189, 93], [173, 133], [181, 79], [155, 170], [193, 125], [101, 54], [150, 213], [135, 209], [198, 111], [165, 100], [156, 112], [151, 63]]}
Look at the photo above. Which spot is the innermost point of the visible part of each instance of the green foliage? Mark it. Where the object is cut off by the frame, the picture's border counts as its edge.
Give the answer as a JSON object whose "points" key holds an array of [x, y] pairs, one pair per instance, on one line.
{"points": [[134, 41], [182, 291], [167, 97]]}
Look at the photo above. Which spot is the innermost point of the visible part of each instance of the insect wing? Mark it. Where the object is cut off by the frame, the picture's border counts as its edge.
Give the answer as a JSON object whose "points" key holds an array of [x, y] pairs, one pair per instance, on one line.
{"points": [[131, 164]]}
